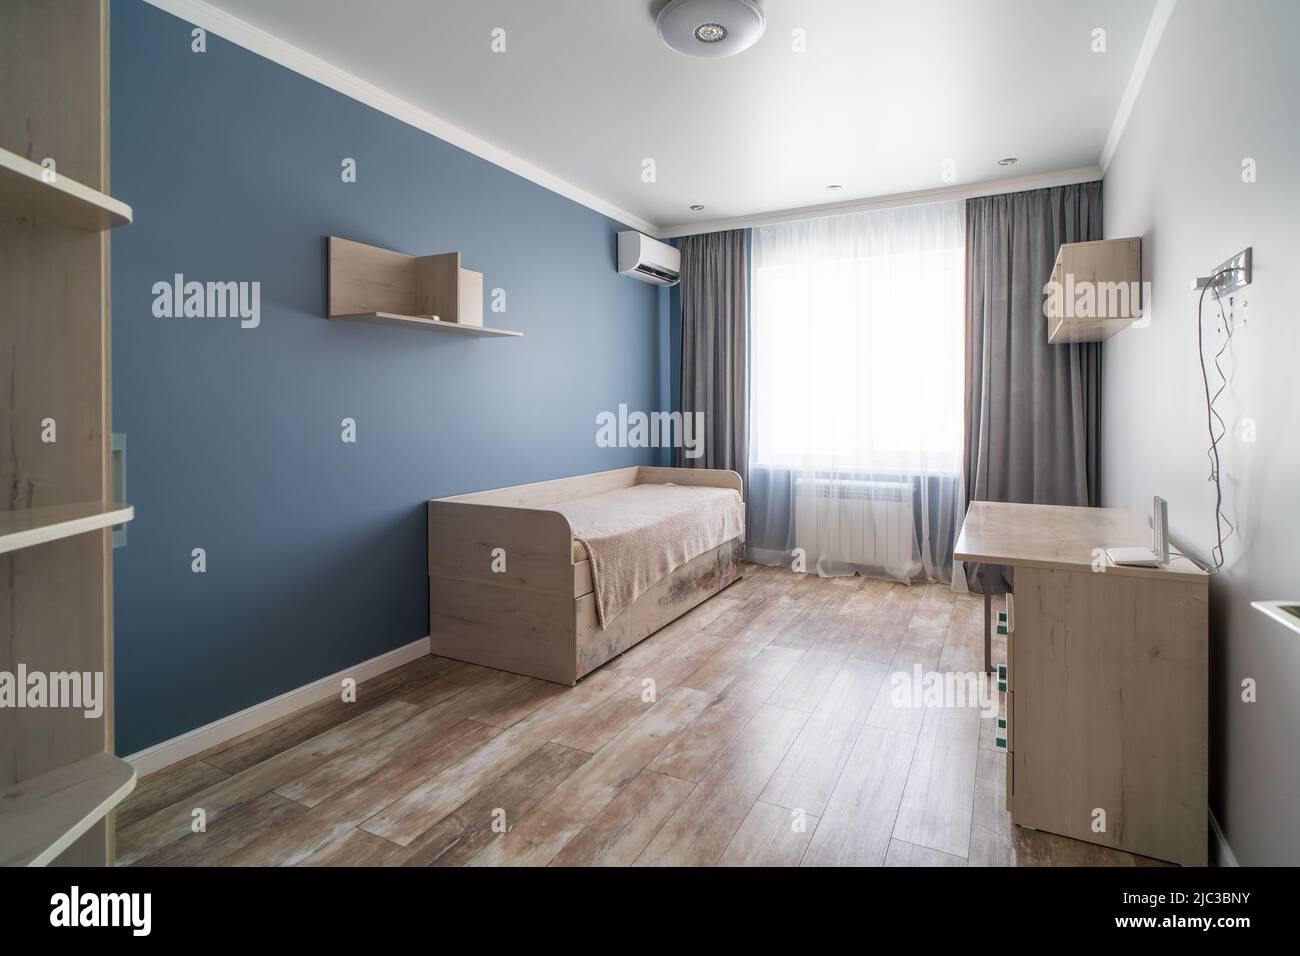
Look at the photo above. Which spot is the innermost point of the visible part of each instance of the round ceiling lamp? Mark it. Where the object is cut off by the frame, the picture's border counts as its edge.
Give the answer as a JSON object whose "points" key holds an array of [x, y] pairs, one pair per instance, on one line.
{"points": [[711, 28]]}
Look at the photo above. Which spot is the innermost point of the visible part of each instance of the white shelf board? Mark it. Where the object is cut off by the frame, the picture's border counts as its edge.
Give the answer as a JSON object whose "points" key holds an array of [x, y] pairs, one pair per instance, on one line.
{"points": [[25, 194], [42, 817], [424, 322], [31, 526], [1277, 610]]}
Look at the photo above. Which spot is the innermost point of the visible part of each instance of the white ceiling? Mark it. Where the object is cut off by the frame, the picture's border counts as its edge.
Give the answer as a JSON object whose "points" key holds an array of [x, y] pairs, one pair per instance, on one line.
{"points": [[883, 95]]}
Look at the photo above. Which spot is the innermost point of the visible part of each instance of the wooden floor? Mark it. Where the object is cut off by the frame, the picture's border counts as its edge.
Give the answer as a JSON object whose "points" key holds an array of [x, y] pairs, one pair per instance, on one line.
{"points": [[756, 730]]}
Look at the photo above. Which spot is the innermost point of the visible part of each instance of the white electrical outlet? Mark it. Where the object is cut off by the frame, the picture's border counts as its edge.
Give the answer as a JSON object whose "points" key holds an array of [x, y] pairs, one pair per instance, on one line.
{"points": [[1236, 274]]}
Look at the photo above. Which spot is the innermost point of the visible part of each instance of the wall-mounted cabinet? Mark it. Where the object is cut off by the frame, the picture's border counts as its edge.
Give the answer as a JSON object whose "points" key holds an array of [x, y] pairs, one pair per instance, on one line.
{"points": [[372, 284], [1096, 290]]}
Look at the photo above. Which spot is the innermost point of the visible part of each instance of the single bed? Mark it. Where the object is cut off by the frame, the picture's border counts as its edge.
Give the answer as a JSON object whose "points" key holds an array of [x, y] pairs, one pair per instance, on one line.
{"points": [[555, 578]]}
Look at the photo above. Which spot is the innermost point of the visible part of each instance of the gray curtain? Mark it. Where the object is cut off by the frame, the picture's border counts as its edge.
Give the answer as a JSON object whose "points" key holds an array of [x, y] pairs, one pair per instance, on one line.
{"points": [[1033, 410], [715, 362]]}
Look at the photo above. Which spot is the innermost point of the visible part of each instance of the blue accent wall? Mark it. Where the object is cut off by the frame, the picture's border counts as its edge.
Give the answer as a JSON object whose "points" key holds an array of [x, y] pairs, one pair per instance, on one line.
{"points": [[316, 548]]}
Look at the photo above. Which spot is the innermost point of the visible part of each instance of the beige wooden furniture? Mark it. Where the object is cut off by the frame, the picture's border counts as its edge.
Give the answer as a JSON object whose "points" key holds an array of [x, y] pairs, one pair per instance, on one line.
{"points": [[59, 779], [1107, 270], [371, 284], [26, 189], [1106, 679], [539, 617]]}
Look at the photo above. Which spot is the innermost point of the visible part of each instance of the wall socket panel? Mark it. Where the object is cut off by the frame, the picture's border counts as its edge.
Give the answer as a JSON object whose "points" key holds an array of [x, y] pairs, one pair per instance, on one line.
{"points": [[1237, 274]]}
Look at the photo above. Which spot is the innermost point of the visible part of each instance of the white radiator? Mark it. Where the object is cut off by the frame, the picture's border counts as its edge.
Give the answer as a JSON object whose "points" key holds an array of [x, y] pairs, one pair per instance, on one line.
{"points": [[867, 523]]}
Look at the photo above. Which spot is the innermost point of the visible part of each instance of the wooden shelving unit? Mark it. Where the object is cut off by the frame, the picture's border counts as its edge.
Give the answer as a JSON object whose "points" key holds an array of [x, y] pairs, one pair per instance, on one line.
{"points": [[25, 194], [59, 779], [1101, 264], [372, 284], [32, 526], [43, 816]]}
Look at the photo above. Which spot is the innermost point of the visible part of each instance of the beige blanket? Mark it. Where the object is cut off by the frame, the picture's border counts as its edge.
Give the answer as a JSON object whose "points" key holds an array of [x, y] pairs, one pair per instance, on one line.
{"points": [[637, 536]]}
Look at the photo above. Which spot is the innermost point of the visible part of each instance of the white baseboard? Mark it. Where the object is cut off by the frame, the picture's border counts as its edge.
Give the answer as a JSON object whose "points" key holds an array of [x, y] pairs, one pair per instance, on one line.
{"points": [[250, 718], [1220, 853]]}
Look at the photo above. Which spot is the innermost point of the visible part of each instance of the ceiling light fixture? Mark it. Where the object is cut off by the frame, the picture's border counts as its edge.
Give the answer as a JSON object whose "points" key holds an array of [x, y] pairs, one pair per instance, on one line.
{"points": [[696, 207], [1009, 161], [835, 187], [710, 28]]}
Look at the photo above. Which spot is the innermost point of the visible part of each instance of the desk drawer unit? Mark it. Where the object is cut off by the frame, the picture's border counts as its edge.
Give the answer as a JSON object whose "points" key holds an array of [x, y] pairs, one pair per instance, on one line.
{"points": [[1009, 707], [1109, 710], [1011, 640]]}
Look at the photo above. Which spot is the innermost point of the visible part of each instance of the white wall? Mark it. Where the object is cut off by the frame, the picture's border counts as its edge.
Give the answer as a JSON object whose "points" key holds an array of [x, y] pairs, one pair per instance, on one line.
{"points": [[1224, 85]]}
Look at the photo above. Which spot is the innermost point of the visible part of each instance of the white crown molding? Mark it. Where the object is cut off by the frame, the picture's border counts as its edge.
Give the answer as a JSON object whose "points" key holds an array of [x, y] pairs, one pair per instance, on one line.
{"points": [[256, 40], [244, 34], [991, 187], [1146, 53], [203, 738]]}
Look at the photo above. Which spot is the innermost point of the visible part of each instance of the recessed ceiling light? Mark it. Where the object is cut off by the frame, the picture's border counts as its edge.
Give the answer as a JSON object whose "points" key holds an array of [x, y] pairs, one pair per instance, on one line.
{"points": [[696, 207], [835, 187], [1009, 161], [710, 28]]}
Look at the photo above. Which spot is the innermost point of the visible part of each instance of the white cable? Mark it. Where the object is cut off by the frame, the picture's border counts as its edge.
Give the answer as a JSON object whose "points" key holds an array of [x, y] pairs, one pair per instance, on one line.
{"points": [[1211, 414]]}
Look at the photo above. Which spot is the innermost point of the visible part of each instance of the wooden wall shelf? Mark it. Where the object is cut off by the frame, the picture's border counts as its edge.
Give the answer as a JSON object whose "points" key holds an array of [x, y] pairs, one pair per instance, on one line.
{"points": [[425, 321], [1104, 261], [31, 526], [372, 284], [43, 816], [64, 202]]}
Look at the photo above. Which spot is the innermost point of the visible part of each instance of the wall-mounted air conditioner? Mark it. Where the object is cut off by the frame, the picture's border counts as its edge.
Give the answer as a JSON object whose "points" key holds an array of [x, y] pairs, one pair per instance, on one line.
{"points": [[648, 259]]}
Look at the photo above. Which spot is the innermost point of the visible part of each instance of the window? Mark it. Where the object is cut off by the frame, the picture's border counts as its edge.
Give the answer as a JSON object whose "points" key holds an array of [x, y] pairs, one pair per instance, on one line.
{"points": [[856, 352]]}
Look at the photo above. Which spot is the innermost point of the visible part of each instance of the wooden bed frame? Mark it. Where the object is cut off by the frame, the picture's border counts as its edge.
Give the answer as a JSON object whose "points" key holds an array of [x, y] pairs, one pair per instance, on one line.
{"points": [[538, 616]]}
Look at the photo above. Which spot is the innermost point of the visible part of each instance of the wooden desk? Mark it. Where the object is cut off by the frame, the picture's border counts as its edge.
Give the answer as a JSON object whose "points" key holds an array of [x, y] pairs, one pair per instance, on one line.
{"points": [[1107, 679]]}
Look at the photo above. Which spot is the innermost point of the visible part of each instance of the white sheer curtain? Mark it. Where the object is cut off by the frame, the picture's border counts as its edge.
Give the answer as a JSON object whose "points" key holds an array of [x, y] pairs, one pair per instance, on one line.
{"points": [[856, 361]]}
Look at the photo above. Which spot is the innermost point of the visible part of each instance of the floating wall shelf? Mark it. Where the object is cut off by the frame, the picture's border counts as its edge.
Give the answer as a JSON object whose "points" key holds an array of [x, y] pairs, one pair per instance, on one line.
{"points": [[372, 284], [424, 321], [1286, 613], [24, 194], [1105, 265]]}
